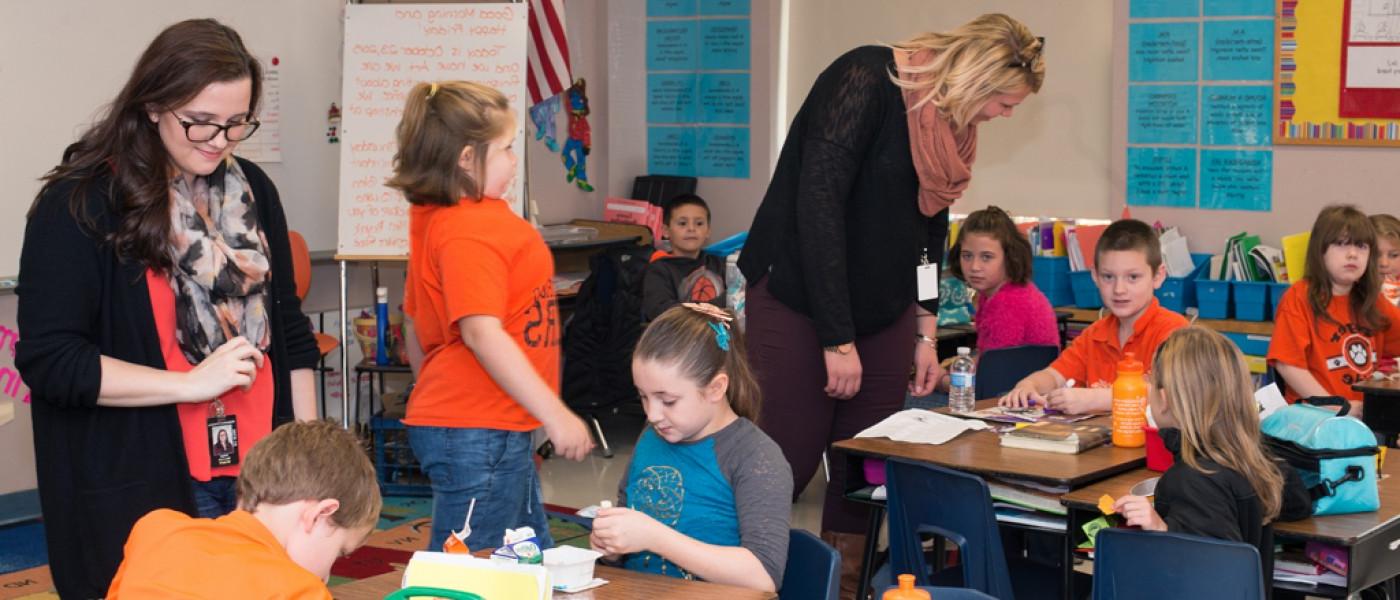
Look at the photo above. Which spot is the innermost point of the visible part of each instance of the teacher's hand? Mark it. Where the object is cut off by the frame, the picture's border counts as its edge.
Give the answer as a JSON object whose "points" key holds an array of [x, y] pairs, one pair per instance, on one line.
{"points": [[927, 370], [842, 374]]}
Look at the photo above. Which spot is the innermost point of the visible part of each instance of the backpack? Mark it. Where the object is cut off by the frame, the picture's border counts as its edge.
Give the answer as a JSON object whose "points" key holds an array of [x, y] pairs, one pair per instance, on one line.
{"points": [[1335, 455], [603, 331]]}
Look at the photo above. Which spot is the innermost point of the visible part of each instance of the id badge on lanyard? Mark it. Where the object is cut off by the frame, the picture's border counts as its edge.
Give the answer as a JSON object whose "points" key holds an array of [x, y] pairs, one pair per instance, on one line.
{"points": [[927, 274], [222, 433]]}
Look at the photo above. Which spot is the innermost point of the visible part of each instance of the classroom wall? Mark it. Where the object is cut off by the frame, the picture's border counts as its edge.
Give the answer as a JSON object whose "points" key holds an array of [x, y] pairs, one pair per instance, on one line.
{"points": [[1051, 157], [1306, 178]]}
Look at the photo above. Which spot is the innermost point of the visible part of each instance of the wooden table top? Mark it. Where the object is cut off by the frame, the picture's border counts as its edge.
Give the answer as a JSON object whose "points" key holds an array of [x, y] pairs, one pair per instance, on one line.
{"points": [[1337, 529], [622, 585], [1389, 387], [981, 452], [1089, 315]]}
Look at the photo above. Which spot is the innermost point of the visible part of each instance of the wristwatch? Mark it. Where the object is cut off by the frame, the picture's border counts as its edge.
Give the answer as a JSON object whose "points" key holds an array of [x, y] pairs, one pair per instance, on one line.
{"points": [[842, 349]]}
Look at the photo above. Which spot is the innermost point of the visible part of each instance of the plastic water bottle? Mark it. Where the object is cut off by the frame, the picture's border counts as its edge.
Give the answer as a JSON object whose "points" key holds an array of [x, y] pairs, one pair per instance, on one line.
{"points": [[734, 285], [381, 324], [962, 397]]}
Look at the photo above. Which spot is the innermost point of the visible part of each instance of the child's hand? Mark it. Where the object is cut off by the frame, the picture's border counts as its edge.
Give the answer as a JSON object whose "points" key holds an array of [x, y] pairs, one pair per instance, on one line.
{"points": [[597, 546], [1022, 396], [1072, 401], [1138, 511], [624, 531], [570, 436]]}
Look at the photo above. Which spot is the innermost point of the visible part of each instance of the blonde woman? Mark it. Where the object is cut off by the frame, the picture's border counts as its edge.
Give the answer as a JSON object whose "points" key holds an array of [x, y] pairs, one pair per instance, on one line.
{"points": [[883, 144], [1224, 484]]}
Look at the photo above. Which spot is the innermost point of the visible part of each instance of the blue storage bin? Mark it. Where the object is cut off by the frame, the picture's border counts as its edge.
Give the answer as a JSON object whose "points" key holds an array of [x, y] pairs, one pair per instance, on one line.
{"points": [[1276, 291], [1051, 275], [1179, 293], [1251, 300], [1212, 297], [1086, 292], [1251, 344]]}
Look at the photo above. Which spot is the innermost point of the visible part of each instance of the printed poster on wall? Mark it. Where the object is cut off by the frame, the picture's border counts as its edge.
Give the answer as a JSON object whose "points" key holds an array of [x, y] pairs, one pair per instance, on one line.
{"points": [[1162, 177], [1236, 179], [1162, 114]]}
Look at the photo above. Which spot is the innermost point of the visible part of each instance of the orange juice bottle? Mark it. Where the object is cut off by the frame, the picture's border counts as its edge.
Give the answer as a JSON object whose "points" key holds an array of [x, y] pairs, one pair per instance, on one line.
{"points": [[906, 590], [1129, 404]]}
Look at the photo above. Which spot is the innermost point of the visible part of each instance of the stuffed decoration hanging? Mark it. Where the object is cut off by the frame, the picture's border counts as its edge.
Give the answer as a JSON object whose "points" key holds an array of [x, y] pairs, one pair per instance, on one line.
{"points": [[580, 142], [542, 115]]}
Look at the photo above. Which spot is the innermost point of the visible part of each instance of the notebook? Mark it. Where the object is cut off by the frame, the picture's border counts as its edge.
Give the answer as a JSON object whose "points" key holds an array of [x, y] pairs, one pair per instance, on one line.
{"points": [[1062, 438]]}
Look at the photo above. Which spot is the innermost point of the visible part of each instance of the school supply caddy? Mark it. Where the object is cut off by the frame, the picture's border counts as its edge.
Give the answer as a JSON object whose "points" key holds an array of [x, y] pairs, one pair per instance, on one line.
{"points": [[1335, 455]]}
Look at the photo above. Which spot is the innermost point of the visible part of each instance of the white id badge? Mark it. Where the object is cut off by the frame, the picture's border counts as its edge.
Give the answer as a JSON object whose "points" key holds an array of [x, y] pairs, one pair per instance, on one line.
{"points": [[928, 281]]}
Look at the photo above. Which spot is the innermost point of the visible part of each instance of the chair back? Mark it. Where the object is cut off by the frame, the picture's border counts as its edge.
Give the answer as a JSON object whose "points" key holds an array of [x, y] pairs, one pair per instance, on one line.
{"points": [[1145, 565], [301, 263], [999, 370], [813, 569], [924, 498]]}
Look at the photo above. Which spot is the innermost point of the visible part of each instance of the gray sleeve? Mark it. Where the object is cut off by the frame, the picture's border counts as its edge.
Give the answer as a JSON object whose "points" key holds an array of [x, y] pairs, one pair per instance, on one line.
{"points": [[762, 483]]}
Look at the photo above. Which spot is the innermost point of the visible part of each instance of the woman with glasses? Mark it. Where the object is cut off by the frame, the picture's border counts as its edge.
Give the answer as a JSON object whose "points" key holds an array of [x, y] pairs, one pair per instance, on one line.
{"points": [[839, 306], [157, 305]]}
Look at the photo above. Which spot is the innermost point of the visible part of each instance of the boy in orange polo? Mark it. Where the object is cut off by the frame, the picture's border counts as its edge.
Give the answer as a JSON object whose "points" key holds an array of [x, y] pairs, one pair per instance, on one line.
{"points": [[307, 495], [1128, 269]]}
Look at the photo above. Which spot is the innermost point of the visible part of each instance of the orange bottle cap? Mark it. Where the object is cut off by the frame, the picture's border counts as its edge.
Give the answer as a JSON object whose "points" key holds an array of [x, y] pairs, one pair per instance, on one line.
{"points": [[1130, 363]]}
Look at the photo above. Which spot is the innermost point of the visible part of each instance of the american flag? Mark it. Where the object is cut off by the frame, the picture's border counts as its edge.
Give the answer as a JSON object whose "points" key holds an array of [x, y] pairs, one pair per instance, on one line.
{"points": [[549, 51]]}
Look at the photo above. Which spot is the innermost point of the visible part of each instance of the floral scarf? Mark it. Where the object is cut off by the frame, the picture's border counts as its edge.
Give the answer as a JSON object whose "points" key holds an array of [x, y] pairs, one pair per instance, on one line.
{"points": [[221, 267]]}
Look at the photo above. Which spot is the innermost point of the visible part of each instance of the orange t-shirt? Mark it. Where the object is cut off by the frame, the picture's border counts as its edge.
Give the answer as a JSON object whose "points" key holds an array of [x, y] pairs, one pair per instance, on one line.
{"points": [[172, 555], [477, 258], [253, 408], [1092, 358], [1337, 354]]}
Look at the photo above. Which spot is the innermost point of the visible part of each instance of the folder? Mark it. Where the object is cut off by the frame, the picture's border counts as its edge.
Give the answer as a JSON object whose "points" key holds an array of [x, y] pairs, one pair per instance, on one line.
{"points": [[1295, 255]]}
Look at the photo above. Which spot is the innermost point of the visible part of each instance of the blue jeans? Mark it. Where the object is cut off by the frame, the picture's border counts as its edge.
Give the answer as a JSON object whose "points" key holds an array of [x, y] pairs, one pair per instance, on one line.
{"points": [[216, 497], [490, 465]]}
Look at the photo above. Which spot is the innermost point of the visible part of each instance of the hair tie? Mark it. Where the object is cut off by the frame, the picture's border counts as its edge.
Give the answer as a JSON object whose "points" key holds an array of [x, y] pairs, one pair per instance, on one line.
{"points": [[721, 335], [432, 90]]}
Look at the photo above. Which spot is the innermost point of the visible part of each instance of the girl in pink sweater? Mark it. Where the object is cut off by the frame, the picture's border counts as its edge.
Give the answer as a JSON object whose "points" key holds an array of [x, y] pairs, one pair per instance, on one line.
{"points": [[995, 261]]}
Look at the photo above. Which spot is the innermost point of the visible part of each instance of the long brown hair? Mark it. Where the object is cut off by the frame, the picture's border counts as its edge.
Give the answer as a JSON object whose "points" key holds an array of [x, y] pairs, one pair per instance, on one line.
{"points": [[1211, 395], [1344, 224], [439, 121], [178, 64], [995, 223], [687, 338], [992, 54]]}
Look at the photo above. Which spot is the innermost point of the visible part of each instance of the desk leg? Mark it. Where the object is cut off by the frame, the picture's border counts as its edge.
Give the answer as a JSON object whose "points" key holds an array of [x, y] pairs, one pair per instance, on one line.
{"points": [[1072, 526], [867, 559], [344, 354]]}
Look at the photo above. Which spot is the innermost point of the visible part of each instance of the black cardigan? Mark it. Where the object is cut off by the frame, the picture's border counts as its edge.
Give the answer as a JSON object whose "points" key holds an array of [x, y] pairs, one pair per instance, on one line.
{"points": [[99, 468], [839, 232]]}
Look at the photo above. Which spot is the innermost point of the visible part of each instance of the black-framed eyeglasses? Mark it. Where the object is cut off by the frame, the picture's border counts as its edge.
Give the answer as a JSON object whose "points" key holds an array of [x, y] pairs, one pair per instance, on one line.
{"points": [[1027, 64], [199, 131]]}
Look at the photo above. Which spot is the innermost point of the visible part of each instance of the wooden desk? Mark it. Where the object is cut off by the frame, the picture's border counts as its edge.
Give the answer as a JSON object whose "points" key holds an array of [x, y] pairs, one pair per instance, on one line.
{"points": [[1367, 536], [981, 453], [622, 585], [1089, 315]]}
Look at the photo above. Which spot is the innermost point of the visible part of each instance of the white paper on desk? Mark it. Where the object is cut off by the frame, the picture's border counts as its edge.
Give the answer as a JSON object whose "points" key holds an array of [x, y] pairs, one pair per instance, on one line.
{"points": [[920, 426], [1269, 399]]}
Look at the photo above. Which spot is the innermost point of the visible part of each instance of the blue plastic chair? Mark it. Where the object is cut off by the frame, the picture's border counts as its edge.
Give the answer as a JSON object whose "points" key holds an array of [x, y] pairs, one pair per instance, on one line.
{"points": [[813, 569], [924, 498], [951, 593], [1146, 565], [999, 370]]}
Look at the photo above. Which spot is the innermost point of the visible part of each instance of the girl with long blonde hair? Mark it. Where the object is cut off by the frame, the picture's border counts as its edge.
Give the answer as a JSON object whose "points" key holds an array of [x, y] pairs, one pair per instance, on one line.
{"points": [[1223, 484]]}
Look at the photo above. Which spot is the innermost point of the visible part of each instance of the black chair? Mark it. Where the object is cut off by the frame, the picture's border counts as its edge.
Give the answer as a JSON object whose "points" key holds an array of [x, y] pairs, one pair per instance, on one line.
{"points": [[999, 370]]}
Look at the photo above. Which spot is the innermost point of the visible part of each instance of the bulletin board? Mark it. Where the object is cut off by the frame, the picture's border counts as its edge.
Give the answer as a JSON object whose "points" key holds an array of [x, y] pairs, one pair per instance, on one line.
{"points": [[1337, 77]]}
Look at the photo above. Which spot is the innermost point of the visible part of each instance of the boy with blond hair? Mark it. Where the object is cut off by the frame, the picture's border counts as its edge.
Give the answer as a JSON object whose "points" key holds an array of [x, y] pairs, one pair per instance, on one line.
{"points": [[306, 496]]}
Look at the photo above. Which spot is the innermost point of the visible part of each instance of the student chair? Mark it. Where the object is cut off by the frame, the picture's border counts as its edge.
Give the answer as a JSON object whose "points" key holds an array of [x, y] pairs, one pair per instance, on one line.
{"points": [[1147, 565], [924, 498], [301, 270], [813, 569], [999, 370]]}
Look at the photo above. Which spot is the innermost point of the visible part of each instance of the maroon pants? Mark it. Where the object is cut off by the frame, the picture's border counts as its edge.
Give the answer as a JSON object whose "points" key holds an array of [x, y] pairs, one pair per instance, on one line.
{"points": [[791, 369]]}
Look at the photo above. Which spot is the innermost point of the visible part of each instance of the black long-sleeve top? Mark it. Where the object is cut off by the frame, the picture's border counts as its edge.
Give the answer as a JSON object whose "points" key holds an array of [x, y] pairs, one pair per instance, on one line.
{"points": [[839, 233], [101, 468]]}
